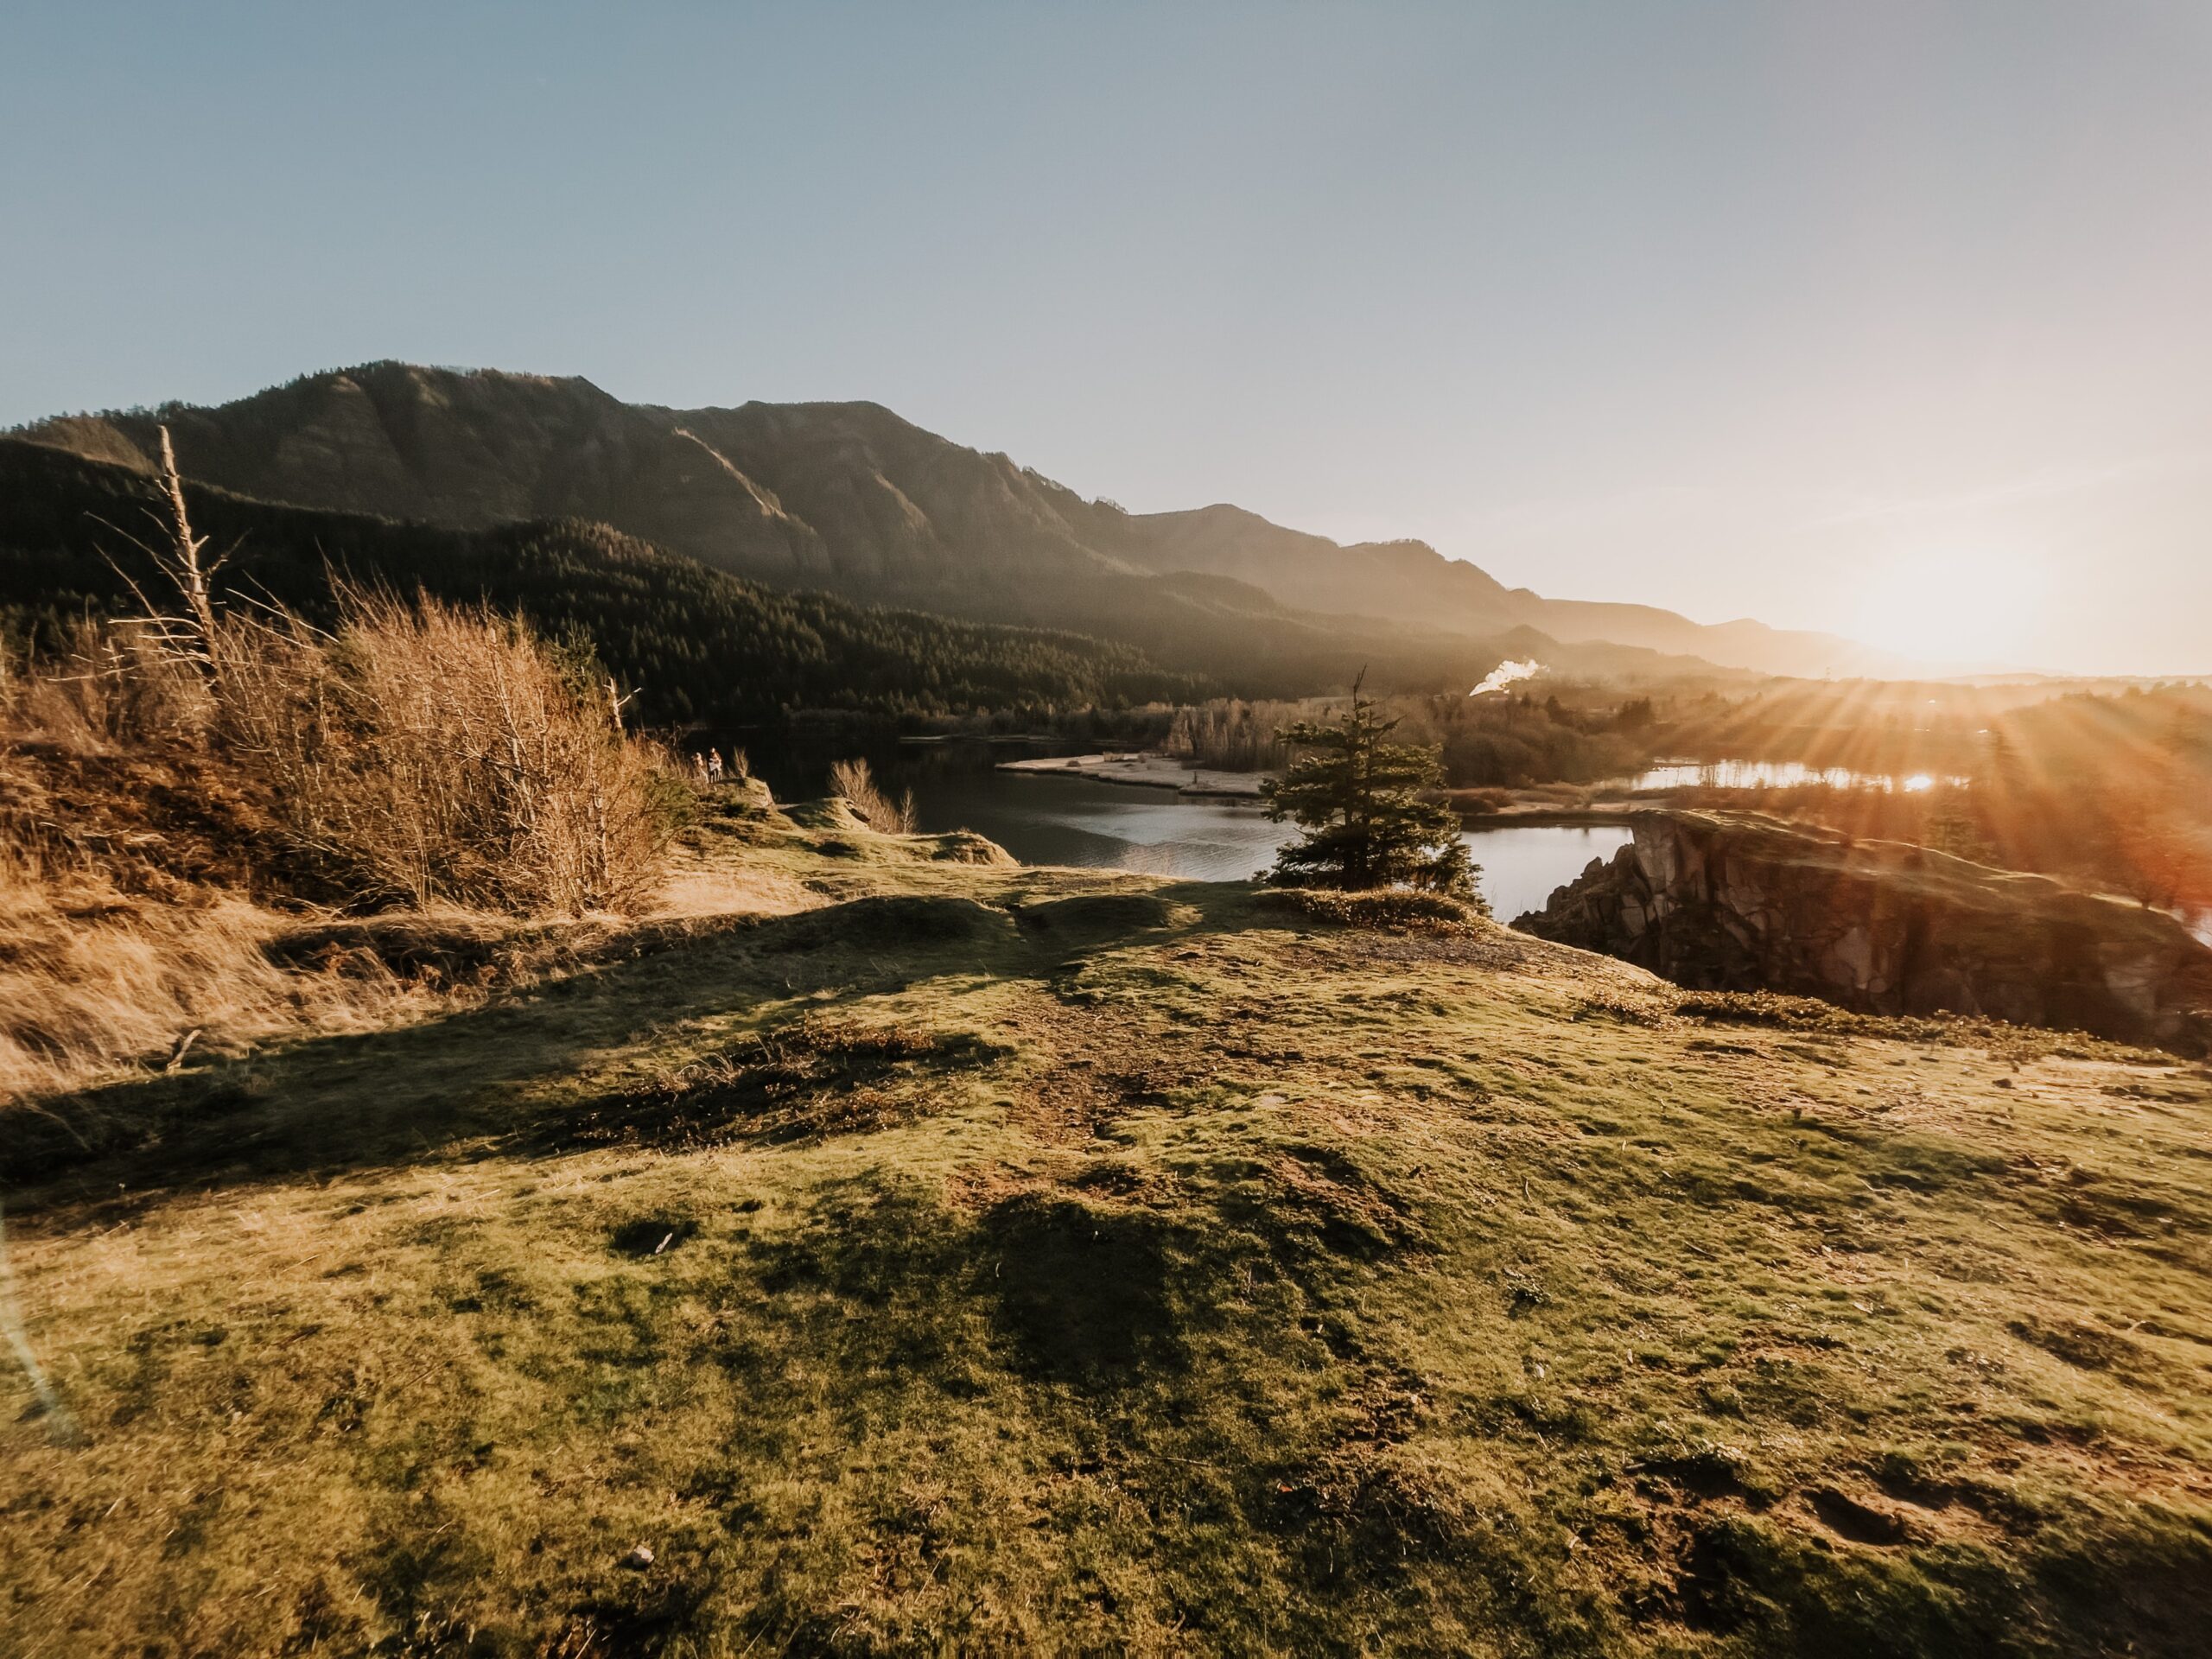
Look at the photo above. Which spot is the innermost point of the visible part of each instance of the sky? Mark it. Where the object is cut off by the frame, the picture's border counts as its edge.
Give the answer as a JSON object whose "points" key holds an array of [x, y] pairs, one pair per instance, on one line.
{"points": [[1889, 319]]}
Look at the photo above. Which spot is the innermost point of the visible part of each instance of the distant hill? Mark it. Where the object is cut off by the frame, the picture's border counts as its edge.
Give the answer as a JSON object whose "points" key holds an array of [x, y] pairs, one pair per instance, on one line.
{"points": [[850, 498], [703, 643], [698, 643]]}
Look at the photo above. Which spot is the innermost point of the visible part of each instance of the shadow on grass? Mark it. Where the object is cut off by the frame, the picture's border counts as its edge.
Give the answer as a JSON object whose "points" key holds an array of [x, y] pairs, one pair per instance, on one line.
{"points": [[1060, 1291], [811, 1077], [327, 1105], [2137, 1585], [1081, 1294], [330, 1104]]}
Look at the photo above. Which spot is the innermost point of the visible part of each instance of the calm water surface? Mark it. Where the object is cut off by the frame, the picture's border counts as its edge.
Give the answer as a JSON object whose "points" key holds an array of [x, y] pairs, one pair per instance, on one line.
{"points": [[1049, 820]]}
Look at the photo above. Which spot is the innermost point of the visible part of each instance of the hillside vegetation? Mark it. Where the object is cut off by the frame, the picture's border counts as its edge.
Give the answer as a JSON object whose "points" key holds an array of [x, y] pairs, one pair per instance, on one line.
{"points": [[2113, 791], [169, 785], [695, 643], [707, 644], [944, 1256], [850, 498]]}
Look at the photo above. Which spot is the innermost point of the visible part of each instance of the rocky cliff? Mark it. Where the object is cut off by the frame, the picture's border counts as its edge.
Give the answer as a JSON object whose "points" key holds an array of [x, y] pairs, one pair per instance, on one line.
{"points": [[1739, 903]]}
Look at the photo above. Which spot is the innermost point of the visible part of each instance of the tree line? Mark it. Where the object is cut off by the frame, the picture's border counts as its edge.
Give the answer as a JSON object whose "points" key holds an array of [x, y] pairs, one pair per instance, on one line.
{"points": [[694, 643]]}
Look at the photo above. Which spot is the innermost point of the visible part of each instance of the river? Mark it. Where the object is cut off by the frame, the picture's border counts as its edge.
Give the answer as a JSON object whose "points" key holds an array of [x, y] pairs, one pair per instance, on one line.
{"points": [[1061, 820]]}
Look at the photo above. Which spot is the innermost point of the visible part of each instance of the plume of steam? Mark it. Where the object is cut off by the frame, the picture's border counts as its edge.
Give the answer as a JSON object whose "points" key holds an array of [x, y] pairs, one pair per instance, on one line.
{"points": [[1504, 674]]}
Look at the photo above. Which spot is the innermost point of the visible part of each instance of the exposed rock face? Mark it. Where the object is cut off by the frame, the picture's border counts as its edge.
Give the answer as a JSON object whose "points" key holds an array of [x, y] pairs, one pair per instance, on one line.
{"points": [[1727, 903]]}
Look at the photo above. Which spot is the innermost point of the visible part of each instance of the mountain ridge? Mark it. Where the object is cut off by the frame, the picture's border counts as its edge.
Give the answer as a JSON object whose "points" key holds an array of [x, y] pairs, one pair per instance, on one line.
{"points": [[846, 497], [703, 642], [692, 642]]}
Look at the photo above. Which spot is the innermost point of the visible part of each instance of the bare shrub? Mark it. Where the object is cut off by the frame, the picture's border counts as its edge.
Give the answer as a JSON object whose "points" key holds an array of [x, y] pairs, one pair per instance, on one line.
{"points": [[151, 781], [855, 781], [426, 753], [419, 755]]}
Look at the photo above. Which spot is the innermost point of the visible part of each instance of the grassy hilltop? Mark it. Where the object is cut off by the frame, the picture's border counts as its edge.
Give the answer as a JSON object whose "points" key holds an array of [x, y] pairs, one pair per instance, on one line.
{"points": [[919, 1254]]}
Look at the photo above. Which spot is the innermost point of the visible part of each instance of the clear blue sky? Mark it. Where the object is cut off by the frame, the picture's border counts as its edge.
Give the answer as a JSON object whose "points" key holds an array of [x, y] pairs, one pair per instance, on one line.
{"points": [[1895, 319]]}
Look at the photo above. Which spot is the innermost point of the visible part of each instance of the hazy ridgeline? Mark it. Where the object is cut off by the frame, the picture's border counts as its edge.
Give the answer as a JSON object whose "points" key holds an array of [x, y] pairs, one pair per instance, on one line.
{"points": [[849, 499], [697, 643]]}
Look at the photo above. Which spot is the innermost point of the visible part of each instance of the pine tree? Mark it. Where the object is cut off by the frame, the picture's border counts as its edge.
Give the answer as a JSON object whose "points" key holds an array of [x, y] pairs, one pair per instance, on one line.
{"points": [[1359, 801]]}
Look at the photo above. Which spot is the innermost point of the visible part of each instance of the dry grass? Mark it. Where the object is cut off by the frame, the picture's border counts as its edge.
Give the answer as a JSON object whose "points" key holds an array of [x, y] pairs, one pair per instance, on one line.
{"points": [[93, 979], [425, 754], [175, 791], [112, 688], [1091, 1264], [855, 781], [420, 754], [97, 983]]}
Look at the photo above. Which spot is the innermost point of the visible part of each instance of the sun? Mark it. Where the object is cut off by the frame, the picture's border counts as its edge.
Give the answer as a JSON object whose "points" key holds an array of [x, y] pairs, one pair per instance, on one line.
{"points": [[1954, 607]]}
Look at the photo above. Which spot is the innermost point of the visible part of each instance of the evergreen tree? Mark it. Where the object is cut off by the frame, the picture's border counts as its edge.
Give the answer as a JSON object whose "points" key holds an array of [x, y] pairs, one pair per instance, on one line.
{"points": [[1359, 800]]}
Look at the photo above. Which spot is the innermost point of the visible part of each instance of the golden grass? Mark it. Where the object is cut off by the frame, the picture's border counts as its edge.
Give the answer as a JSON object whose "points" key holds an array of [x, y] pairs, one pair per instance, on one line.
{"points": [[93, 981], [109, 972], [1197, 1276], [855, 781], [425, 753], [179, 801], [98, 981]]}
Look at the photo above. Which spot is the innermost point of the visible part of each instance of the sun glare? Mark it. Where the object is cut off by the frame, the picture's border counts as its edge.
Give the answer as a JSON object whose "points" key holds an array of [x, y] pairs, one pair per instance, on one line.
{"points": [[1952, 606]]}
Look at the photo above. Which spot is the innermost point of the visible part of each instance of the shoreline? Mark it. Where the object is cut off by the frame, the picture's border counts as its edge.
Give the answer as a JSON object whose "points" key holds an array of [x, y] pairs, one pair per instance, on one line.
{"points": [[1147, 771], [1150, 770]]}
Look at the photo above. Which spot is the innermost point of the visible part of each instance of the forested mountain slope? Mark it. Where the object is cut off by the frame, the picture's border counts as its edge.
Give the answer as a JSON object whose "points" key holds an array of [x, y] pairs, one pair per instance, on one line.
{"points": [[697, 643], [704, 643], [846, 497]]}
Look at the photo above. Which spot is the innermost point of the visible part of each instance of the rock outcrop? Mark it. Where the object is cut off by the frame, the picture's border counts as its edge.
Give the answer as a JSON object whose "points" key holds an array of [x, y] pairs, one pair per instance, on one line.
{"points": [[1720, 902]]}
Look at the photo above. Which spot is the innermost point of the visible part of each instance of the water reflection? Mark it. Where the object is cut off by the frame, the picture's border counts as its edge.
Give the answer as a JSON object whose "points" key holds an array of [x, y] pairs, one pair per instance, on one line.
{"points": [[1051, 820], [1113, 826]]}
